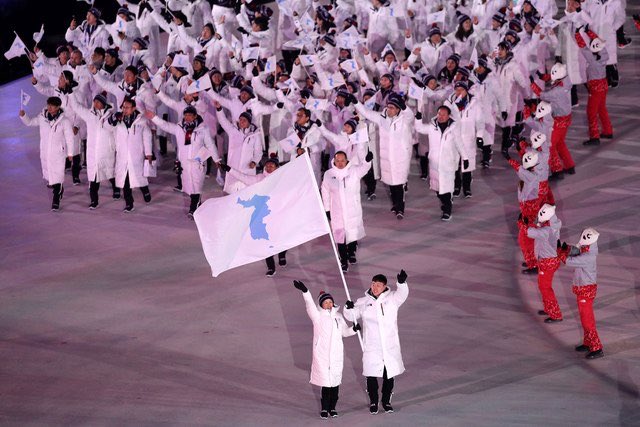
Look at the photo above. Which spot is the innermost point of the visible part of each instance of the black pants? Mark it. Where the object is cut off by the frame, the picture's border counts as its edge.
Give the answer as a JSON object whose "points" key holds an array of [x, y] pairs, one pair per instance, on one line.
{"points": [[574, 95], [620, 35], [506, 138], [271, 263], [76, 167], [162, 140], [57, 193], [387, 388], [83, 150], [486, 153], [612, 75], [128, 194], [346, 251], [370, 181], [329, 398], [446, 205], [462, 179], [94, 186], [289, 56], [195, 202], [397, 197], [424, 165]]}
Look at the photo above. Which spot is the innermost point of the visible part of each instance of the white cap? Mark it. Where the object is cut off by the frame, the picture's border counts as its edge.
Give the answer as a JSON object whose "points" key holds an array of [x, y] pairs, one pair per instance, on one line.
{"points": [[530, 159], [558, 71], [543, 109], [537, 139], [596, 45], [546, 212], [589, 237]]}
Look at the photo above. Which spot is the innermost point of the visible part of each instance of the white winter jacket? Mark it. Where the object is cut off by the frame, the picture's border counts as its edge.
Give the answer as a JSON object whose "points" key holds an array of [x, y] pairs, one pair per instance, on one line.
{"points": [[132, 145]]}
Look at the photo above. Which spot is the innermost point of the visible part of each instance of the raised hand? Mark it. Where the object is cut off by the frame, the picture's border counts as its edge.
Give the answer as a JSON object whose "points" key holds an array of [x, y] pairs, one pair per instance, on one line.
{"points": [[299, 285], [402, 276]]}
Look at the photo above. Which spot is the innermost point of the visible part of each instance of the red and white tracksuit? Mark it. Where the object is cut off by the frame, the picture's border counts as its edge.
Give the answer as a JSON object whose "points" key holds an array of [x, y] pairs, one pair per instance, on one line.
{"points": [[545, 237], [529, 207]]}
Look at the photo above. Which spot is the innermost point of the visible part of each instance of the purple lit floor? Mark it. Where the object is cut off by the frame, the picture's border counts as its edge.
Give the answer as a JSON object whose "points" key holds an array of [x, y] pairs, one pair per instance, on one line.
{"points": [[113, 319]]}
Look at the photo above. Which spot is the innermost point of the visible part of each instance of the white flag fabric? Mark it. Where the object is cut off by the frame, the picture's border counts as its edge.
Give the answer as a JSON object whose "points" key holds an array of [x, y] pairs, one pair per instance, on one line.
{"points": [[361, 136], [181, 61], [203, 83], [17, 49], [270, 65], [415, 92], [350, 65], [278, 213], [157, 80], [386, 49], [307, 22], [24, 98], [436, 17], [284, 7], [331, 81], [396, 12], [316, 104], [38, 36], [290, 143], [307, 60], [249, 53], [474, 55]]}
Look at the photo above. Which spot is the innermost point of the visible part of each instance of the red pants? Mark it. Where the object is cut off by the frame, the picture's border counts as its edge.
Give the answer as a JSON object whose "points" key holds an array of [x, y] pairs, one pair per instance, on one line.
{"points": [[546, 269], [529, 210], [559, 156], [586, 295], [597, 108], [545, 194]]}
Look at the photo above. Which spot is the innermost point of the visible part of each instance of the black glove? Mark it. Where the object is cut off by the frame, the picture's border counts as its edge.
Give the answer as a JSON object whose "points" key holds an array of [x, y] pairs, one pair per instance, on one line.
{"points": [[558, 59], [418, 115], [368, 157], [242, 31], [328, 215], [348, 305], [504, 115], [356, 327], [177, 167], [525, 220], [280, 104], [318, 122], [558, 244], [225, 167], [299, 285], [402, 277], [564, 246], [479, 142], [506, 155], [520, 216], [354, 100], [531, 79], [465, 164], [539, 74]]}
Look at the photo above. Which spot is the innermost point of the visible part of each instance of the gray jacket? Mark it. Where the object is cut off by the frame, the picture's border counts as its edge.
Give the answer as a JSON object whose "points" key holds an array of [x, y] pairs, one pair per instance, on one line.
{"points": [[559, 96], [596, 68], [585, 266], [546, 238]]}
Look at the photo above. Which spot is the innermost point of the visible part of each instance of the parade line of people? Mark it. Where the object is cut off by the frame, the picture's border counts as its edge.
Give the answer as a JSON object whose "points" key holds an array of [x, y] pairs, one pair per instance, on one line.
{"points": [[365, 89]]}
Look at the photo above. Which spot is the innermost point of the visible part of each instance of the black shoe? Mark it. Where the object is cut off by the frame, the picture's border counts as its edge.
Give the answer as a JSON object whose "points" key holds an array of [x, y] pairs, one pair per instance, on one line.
{"points": [[456, 192], [394, 211], [446, 217], [61, 193], [128, 209], [595, 354], [93, 206], [190, 215], [556, 176], [467, 194], [345, 268], [353, 260], [606, 135], [424, 177], [116, 194], [387, 408], [532, 270], [282, 261], [333, 413], [570, 171], [400, 215], [55, 207], [542, 313], [147, 197], [372, 196], [76, 181], [485, 164], [550, 320], [177, 189], [592, 141], [524, 264], [271, 273], [582, 348], [324, 415], [624, 42], [373, 408]]}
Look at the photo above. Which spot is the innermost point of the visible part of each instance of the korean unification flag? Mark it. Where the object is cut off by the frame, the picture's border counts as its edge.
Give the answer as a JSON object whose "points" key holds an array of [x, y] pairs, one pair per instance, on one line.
{"points": [[316, 104], [350, 66], [436, 17], [38, 36], [249, 53], [285, 7], [415, 92], [181, 61], [24, 98], [202, 84], [17, 49], [270, 65], [290, 143], [331, 81], [280, 212], [307, 60]]}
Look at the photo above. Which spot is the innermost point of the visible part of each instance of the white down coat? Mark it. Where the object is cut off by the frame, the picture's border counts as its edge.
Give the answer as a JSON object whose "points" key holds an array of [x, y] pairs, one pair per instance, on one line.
{"points": [[395, 144], [471, 120], [201, 147], [132, 145], [341, 196], [379, 320], [515, 86], [101, 145], [328, 351], [56, 142], [445, 150]]}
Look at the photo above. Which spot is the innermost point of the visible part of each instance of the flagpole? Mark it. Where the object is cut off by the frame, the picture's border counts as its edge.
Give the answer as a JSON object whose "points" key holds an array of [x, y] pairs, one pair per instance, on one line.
{"points": [[333, 243]]}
